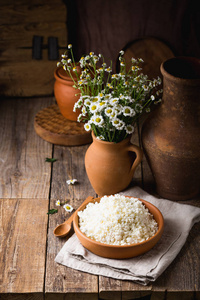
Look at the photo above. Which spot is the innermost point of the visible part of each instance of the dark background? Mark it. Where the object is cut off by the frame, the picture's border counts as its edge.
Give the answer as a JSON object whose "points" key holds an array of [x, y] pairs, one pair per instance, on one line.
{"points": [[107, 26], [101, 26]]}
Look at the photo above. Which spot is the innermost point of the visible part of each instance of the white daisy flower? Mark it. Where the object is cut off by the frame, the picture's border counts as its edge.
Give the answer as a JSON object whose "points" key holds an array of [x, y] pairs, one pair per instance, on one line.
{"points": [[114, 101], [80, 82], [102, 103], [84, 111], [133, 60], [108, 70], [129, 129], [121, 125], [100, 137], [127, 111], [145, 87], [108, 96], [80, 117], [138, 108], [68, 207], [100, 95], [87, 102], [58, 203], [116, 122], [95, 99], [109, 111], [87, 126], [93, 107], [109, 85], [75, 107], [71, 181], [98, 120]]}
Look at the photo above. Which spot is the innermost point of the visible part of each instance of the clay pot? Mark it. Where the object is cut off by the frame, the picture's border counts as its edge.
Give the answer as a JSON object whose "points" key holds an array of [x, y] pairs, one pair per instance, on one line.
{"points": [[171, 135], [65, 94], [110, 166]]}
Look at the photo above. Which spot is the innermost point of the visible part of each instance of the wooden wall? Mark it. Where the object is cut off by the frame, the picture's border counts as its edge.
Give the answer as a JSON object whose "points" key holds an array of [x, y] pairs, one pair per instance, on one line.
{"points": [[20, 20], [102, 26], [107, 26]]}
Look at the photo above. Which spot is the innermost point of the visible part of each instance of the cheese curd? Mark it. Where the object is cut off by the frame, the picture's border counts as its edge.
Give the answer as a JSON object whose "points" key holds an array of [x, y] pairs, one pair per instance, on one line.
{"points": [[117, 220]]}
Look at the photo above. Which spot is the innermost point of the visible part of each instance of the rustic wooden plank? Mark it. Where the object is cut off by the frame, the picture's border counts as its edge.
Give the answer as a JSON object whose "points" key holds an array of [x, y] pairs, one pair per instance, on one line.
{"points": [[24, 296], [24, 173], [60, 279], [71, 296], [16, 12], [20, 74], [16, 78], [23, 230], [20, 35]]}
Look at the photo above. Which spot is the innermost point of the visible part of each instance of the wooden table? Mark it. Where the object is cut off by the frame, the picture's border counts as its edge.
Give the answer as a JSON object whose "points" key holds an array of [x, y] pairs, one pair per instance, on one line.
{"points": [[29, 186]]}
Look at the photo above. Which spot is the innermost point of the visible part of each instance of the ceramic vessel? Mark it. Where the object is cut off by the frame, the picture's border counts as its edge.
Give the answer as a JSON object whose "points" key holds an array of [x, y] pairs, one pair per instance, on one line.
{"points": [[115, 251], [171, 135], [65, 94], [110, 166]]}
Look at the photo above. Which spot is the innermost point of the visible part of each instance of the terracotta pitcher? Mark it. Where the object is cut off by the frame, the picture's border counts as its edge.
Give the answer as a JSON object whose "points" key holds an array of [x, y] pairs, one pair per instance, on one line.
{"points": [[65, 94], [171, 135], [110, 166]]}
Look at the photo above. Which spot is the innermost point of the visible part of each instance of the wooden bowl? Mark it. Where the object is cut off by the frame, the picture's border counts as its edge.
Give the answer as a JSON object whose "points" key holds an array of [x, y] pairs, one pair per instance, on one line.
{"points": [[116, 251]]}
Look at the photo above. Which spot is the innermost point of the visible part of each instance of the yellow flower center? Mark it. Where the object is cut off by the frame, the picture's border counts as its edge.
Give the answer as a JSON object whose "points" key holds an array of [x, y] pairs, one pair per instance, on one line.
{"points": [[93, 107], [98, 120]]}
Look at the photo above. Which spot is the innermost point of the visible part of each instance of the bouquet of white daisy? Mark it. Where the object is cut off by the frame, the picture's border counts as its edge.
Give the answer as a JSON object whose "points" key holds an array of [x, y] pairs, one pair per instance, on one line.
{"points": [[110, 102]]}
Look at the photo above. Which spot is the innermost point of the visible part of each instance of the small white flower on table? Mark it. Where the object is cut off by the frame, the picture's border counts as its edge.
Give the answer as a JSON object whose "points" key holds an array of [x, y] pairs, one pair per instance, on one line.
{"points": [[71, 181], [68, 207], [58, 203]]}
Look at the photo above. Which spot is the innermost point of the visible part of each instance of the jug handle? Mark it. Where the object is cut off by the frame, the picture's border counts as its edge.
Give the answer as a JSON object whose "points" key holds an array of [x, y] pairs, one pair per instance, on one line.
{"points": [[139, 155]]}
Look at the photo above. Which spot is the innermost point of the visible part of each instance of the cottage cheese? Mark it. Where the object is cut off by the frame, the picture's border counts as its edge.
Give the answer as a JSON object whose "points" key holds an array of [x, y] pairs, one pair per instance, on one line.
{"points": [[117, 220]]}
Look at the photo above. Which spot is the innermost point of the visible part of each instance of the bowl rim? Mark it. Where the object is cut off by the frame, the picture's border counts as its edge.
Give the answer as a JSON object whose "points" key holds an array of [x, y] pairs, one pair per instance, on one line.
{"points": [[146, 203]]}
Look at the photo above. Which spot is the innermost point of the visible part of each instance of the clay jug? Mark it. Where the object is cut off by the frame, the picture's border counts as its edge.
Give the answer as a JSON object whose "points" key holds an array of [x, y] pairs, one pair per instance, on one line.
{"points": [[171, 135], [110, 166], [65, 94]]}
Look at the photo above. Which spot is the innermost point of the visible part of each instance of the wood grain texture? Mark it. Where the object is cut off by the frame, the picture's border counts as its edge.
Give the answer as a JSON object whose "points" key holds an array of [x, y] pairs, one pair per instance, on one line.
{"points": [[20, 74], [24, 296], [23, 226], [24, 172], [115, 26], [24, 193], [20, 11], [60, 279]]}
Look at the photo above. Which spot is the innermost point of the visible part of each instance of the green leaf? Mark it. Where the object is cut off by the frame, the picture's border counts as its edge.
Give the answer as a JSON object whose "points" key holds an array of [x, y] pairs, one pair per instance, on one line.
{"points": [[50, 159], [52, 211]]}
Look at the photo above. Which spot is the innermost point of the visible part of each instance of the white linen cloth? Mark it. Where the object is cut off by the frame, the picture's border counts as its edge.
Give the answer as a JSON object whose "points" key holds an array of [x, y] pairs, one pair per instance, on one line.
{"points": [[178, 220]]}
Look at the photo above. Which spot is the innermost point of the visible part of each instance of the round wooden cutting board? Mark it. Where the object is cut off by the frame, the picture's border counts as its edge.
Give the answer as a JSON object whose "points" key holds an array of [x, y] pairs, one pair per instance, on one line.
{"points": [[50, 125], [152, 51]]}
